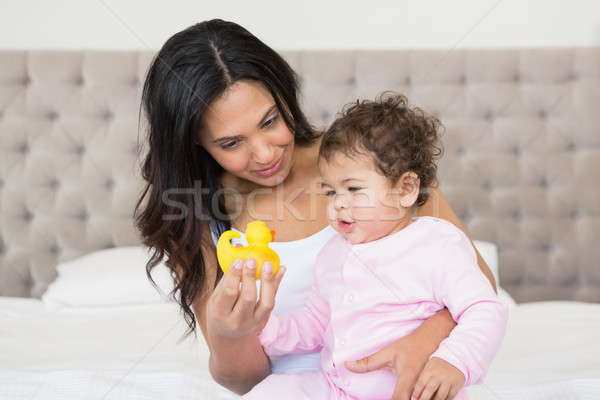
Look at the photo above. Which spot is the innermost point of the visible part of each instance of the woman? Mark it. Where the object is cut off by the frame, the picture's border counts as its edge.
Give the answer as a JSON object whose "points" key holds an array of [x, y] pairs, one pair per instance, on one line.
{"points": [[227, 144]]}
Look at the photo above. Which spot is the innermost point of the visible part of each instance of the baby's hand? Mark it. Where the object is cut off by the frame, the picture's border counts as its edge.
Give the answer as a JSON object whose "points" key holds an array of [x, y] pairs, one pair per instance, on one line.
{"points": [[439, 380]]}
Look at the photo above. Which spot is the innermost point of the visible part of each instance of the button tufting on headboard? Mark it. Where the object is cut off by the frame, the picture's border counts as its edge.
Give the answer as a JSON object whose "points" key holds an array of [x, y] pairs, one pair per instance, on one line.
{"points": [[521, 166], [65, 131]]}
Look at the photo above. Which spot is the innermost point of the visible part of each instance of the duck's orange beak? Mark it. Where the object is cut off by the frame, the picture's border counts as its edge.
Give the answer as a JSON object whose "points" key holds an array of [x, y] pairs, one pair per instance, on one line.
{"points": [[272, 236]]}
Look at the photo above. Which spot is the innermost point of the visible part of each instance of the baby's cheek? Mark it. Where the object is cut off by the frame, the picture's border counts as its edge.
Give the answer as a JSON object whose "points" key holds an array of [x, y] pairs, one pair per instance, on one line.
{"points": [[363, 212], [364, 203]]}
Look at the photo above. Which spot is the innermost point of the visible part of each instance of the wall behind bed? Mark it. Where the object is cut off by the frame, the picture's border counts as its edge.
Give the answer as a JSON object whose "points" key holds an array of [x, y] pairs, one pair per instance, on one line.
{"points": [[304, 25], [520, 167]]}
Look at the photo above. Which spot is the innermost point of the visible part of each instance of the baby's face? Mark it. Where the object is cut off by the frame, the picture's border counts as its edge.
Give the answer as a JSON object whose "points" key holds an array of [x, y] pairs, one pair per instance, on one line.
{"points": [[361, 203]]}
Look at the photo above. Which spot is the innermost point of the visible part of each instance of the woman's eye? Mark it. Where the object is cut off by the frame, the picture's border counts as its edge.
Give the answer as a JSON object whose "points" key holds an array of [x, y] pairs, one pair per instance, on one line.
{"points": [[230, 145], [271, 121]]}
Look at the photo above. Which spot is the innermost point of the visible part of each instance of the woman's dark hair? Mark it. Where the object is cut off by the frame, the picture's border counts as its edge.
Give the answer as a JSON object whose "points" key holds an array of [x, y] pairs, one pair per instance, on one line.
{"points": [[400, 138], [182, 199]]}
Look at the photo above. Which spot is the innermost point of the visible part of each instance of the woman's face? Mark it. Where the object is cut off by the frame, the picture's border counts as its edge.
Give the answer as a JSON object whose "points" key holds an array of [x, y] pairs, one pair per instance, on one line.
{"points": [[244, 131]]}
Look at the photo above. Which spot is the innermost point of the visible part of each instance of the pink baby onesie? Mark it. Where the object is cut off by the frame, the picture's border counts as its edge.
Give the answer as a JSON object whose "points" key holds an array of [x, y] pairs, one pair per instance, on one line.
{"points": [[366, 296]]}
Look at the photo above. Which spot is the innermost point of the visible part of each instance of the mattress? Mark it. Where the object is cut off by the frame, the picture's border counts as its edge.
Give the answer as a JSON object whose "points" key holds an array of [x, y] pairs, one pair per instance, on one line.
{"points": [[551, 351], [101, 331], [122, 352]]}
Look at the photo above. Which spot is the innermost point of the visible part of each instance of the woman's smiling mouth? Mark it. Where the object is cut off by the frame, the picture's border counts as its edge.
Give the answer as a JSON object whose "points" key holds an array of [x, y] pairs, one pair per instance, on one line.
{"points": [[271, 170]]}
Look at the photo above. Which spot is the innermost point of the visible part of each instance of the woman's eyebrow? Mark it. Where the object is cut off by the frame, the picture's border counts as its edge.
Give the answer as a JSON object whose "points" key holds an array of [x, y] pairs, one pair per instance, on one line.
{"points": [[234, 137], [269, 111], [227, 138]]}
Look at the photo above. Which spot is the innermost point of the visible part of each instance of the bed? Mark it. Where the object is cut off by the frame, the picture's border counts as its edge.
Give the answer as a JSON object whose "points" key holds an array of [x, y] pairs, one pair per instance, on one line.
{"points": [[78, 318]]}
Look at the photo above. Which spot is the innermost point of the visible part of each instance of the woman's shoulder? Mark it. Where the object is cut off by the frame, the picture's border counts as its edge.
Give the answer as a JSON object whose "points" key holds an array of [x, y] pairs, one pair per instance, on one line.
{"points": [[308, 154], [441, 230]]}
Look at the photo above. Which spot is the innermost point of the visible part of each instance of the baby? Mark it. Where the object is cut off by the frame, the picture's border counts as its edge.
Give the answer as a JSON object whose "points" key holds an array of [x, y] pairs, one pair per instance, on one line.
{"points": [[387, 271]]}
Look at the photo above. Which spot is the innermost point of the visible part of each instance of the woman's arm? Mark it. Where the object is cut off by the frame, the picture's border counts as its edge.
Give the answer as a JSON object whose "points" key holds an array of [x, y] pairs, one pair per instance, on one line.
{"points": [[237, 364], [228, 317], [407, 356], [437, 206]]}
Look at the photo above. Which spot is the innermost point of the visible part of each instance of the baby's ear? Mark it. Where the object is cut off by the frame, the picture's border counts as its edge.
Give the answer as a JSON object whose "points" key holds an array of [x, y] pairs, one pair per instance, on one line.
{"points": [[408, 185]]}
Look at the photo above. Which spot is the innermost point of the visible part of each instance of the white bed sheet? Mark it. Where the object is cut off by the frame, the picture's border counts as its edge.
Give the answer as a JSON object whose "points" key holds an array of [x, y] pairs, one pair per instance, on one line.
{"points": [[551, 351], [126, 352]]}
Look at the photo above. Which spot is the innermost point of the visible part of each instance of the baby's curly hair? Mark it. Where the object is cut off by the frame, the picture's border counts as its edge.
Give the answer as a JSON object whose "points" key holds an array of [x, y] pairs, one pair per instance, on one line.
{"points": [[400, 138]]}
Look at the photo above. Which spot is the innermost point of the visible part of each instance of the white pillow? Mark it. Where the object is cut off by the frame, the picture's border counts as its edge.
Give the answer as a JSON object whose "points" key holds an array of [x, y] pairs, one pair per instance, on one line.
{"points": [[110, 277], [117, 276], [489, 252]]}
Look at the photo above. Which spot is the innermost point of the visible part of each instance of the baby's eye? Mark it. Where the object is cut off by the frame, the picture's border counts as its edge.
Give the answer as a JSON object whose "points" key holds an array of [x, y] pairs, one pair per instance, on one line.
{"points": [[329, 193], [353, 189]]}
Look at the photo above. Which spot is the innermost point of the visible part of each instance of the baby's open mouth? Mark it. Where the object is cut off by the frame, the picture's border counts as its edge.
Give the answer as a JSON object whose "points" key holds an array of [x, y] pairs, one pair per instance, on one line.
{"points": [[345, 226]]}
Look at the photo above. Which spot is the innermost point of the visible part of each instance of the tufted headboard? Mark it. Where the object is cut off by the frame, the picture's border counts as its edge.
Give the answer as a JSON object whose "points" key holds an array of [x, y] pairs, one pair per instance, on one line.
{"points": [[521, 166]]}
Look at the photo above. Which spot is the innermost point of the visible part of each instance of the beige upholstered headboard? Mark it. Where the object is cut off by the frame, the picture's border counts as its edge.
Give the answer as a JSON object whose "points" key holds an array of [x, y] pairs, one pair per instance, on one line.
{"points": [[521, 165]]}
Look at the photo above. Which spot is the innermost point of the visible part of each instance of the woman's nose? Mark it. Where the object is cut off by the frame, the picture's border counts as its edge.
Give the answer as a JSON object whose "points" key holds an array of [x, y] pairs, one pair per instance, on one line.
{"points": [[262, 152]]}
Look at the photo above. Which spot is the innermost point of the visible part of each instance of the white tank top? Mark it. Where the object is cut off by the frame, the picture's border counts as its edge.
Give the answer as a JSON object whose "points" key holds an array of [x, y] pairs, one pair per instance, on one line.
{"points": [[299, 258]]}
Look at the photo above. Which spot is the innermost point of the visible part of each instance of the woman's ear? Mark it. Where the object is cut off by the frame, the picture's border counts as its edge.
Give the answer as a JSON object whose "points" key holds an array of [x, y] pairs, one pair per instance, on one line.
{"points": [[408, 185]]}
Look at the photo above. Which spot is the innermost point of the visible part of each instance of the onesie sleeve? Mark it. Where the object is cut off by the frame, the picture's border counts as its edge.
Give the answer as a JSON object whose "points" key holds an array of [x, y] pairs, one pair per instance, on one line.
{"points": [[481, 316], [299, 332]]}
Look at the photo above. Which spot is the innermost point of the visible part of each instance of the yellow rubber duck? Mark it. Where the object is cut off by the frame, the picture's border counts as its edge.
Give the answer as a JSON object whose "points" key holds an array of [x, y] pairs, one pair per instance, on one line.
{"points": [[258, 237]]}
